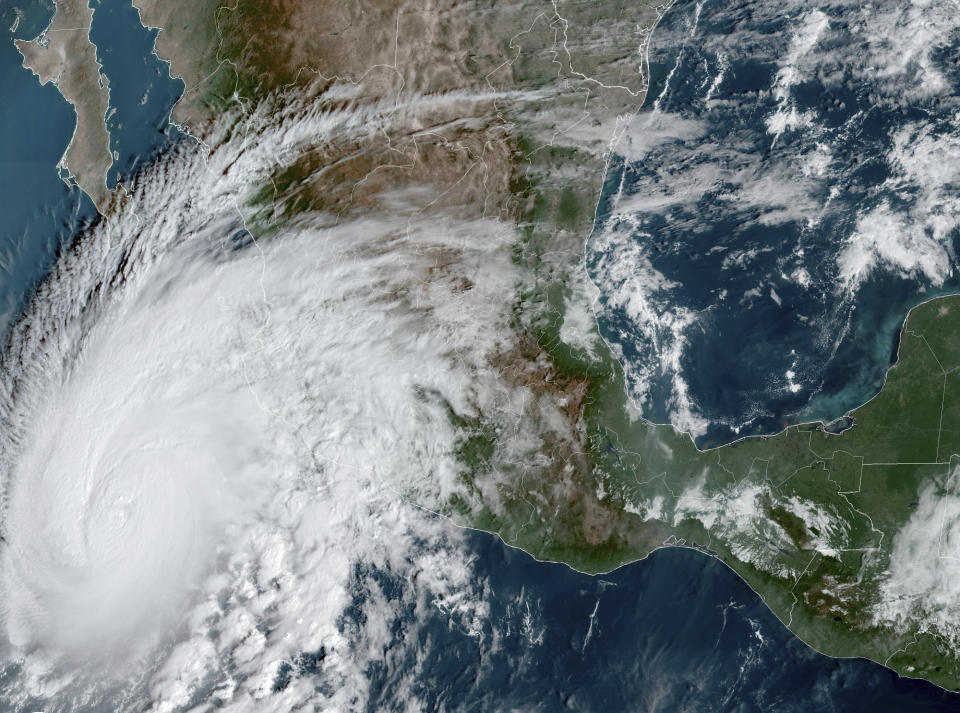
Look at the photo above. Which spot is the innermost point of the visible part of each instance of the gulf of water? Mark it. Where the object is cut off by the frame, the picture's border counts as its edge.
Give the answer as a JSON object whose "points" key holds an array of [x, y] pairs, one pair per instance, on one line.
{"points": [[141, 89], [745, 226], [40, 212], [676, 632]]}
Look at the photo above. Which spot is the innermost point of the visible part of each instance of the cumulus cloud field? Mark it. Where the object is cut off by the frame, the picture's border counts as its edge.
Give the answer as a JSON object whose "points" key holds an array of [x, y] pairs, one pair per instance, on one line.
{"points": [[211, 444], [794, 172]]}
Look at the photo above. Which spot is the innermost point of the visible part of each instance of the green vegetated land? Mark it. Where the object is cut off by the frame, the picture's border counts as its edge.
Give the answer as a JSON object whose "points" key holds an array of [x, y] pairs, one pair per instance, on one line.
{"points": [[807, 517]]}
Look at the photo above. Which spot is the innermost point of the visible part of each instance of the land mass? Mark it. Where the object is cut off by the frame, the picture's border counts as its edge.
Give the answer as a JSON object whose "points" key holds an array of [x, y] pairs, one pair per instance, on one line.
{"points": [[850, 537], [512, 112], [65, 56]]}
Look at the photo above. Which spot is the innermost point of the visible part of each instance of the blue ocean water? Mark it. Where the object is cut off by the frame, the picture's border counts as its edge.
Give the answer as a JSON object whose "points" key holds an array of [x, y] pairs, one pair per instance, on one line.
{"points": [[142, 93], [676, 632], [787, 194], [41, 213]]}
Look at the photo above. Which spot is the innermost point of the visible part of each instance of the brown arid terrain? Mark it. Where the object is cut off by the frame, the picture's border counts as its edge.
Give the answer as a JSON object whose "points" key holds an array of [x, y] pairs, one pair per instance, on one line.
{"points": [[477, 106], [461, 147], [65, 56], [475, 110]]}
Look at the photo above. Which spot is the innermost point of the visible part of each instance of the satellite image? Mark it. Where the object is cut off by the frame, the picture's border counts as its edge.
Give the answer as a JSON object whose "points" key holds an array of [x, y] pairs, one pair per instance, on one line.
{"points": [[479, 355]]}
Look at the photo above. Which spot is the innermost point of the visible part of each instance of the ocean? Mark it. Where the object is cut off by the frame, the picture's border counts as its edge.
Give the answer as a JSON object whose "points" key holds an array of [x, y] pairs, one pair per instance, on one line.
{"points": [[677, 631], [777, 206]]}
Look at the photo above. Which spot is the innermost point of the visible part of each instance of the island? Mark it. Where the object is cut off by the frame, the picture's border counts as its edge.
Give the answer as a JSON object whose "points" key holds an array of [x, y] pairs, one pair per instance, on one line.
{"points": [[65, 56], [847, 530]]}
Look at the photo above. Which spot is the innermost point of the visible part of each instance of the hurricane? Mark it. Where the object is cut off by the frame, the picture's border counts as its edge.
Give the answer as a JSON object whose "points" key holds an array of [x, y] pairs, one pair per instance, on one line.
{"points": [[211, 442]]}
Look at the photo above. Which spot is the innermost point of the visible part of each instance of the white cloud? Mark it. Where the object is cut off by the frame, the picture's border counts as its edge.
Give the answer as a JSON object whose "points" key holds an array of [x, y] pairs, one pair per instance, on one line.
{"points": [[900, 40], [786, 117], [631, 285], [204, 449], [912, 240], [920, 585]]}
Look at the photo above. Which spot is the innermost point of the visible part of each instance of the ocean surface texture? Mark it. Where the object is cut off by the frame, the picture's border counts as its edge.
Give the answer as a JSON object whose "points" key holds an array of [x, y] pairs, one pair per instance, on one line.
{"points": [[761, 300], [781, 203]]}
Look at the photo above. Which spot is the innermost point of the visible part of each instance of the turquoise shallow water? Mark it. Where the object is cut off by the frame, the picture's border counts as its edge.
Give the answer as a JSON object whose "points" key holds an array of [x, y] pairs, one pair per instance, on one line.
{"points": [[678, 631], [790, 195]]}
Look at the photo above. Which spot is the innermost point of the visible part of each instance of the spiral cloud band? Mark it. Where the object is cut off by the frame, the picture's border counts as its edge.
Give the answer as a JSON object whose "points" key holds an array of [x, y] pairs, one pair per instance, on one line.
{"points": [[207, 438]]}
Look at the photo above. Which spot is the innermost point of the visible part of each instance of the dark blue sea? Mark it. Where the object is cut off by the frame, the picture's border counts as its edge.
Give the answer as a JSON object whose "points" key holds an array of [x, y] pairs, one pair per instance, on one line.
{"points": [[788, 192], [676, 632], [41, 213]]}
